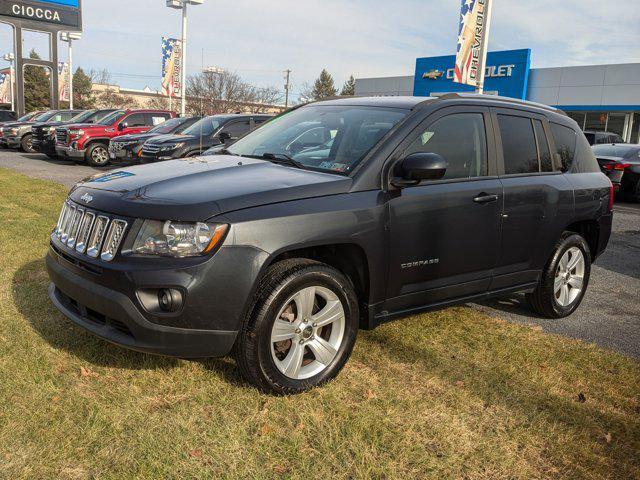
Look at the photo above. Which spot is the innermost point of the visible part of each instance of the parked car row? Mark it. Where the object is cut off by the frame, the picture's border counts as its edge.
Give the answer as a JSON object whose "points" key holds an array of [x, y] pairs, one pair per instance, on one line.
{"points": [[112, 136], [621, 163]]}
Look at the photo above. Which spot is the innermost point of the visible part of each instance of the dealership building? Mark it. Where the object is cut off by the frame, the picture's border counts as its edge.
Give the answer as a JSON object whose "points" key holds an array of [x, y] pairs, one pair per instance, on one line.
{"points": [[598, 97]]}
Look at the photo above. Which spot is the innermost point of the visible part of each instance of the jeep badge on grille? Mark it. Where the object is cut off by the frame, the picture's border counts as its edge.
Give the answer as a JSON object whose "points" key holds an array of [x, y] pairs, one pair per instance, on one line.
{"points": [[86, 198]]}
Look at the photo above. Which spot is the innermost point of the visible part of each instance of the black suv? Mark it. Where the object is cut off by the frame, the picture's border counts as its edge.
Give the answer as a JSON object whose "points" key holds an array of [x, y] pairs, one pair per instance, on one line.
{"points": [[405, 204], [128, 148], [44, 134], [208, 132]]}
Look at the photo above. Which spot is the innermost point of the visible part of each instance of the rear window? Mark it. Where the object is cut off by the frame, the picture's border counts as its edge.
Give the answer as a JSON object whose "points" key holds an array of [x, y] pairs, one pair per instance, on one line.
{"points": [[612, 150], [565, 140]]}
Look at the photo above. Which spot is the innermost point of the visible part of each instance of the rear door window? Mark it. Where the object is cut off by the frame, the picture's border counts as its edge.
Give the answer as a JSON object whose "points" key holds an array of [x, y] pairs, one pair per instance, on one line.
{"points": [[236, 129], [519, 148], [565, 139], [136, 120], [154, 119]]}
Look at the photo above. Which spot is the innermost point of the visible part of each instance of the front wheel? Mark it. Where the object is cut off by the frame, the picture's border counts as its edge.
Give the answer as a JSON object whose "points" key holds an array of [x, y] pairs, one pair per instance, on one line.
{"points": [[301, 330], [26, 143], [97, 155], [564, 280]]}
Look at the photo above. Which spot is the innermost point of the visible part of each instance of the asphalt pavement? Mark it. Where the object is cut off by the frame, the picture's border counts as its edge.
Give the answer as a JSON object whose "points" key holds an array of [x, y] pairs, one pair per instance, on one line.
{"points": [[609, 315]]}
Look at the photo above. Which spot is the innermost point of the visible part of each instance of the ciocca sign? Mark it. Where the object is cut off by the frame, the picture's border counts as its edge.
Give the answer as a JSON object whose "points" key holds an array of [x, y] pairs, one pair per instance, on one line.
{"points": [[56, 12]]}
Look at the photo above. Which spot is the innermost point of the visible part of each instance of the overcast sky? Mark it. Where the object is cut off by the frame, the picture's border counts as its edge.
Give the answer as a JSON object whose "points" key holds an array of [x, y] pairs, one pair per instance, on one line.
{"points": [[259, 39]]}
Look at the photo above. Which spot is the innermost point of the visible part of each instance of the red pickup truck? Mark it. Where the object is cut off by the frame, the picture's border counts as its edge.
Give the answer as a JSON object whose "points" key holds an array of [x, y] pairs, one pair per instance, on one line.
{"points": [[90, 142]]}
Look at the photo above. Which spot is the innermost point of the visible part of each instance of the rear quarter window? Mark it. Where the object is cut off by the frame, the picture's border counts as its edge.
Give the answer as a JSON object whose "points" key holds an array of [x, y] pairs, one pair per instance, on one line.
{"points": [[565, 139]]}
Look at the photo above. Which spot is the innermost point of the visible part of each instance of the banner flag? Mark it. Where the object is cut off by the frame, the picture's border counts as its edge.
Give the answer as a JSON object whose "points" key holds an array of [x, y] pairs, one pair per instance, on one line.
{"points": [[63, 81], [171, 67], [5, 86], [473, 35]]}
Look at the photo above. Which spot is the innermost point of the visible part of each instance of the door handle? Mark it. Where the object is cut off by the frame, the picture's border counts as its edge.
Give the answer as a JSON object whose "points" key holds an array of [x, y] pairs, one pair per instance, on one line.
{"points": [[486, 198]]}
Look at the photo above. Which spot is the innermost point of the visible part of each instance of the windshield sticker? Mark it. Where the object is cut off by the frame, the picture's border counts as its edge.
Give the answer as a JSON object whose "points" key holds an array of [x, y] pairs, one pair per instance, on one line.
{"points": [[326, 165], [110, 176], [339, 167]]}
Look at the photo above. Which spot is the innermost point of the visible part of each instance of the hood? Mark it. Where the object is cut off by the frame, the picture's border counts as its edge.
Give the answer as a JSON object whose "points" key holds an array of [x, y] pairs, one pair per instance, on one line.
{"points": [[199, 188], [74, 126], [172, 138], [139, 137]]}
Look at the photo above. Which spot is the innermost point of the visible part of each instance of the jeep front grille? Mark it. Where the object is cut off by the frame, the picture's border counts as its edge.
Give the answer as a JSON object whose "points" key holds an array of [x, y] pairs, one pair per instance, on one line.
{"points": [[89, 232]]}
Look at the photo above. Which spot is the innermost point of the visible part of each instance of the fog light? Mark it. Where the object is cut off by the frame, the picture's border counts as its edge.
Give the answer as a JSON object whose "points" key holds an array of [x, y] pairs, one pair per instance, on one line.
{"points": [[169, 300]]}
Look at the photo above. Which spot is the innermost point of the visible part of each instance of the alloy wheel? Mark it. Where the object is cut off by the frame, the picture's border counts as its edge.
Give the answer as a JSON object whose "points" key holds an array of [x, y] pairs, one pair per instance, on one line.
{"points": [[100, 155], [308, 332], [569, 279]]}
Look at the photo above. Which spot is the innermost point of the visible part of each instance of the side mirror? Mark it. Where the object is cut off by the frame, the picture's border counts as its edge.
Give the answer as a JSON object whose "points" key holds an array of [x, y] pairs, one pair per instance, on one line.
{"points": [[419, 167], [224, 137], [122, 126]]}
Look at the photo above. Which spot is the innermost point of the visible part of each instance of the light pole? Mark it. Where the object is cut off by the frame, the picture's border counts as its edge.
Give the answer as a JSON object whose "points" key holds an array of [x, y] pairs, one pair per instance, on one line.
{"points": [[182, 5], [10, 57], [69, 37]]}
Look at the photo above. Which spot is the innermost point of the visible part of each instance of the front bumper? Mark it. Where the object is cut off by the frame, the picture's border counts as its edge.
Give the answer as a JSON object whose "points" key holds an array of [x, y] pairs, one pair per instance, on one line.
{"points": [[67, 151], [103, 299], [45, 146]]}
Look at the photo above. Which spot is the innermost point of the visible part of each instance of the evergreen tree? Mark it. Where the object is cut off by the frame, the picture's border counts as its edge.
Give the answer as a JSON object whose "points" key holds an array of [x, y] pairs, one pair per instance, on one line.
{"points": [[82, 93], [324, 87], [37, 86], [349, 87]]}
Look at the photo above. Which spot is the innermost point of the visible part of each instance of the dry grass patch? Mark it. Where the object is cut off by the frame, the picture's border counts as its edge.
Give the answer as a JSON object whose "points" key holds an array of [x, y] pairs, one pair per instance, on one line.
{"points": [[451, 394]]}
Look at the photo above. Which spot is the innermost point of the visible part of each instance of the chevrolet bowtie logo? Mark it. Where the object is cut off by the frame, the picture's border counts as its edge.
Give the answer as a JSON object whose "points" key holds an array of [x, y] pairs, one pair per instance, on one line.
{"points": [[433, 74]]}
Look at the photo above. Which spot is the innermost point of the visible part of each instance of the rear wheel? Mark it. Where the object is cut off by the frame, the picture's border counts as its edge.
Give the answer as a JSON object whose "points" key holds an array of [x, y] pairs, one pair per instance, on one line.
{"points": [[564, 280], [26, 143], [97, 155], [301, 330]]}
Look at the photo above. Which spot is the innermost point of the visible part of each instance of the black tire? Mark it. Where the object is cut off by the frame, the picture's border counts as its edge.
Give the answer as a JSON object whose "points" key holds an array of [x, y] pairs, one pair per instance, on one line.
{"points": [[25, 143], [97, 155], [543, 300], [253, 348]]}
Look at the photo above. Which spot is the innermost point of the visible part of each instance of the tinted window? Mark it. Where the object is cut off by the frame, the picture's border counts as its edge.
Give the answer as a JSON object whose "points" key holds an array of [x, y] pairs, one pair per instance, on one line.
{"points": [[136, 120], [111, 118], [167, 127], [565, 140], [518, 145], [461, 140], [546, 165], [236, 129], [205, 126]]}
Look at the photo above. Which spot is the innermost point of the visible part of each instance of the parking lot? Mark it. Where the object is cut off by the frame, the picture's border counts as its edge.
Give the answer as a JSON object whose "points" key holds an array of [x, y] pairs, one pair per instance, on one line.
{"points": [[609, 316]]}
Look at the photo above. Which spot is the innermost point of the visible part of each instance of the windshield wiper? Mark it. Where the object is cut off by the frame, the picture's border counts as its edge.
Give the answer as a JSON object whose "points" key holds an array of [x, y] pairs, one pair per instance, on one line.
{"points": [[283, 159]]}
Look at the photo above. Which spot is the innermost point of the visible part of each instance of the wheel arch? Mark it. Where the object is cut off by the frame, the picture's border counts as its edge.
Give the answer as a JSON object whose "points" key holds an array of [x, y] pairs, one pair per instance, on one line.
{"points": [[590, 231], [348, 258]]}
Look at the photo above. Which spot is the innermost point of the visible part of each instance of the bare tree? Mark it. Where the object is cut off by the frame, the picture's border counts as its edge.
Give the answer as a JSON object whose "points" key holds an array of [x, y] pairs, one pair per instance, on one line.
{"points": [[110, 98], [226, 92], [101, 76], [160, 102]]}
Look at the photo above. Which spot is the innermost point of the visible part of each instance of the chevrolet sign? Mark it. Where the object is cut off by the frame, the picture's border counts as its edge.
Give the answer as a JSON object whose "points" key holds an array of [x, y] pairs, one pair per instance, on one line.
{"points": [[46, 11], [433, 74]]}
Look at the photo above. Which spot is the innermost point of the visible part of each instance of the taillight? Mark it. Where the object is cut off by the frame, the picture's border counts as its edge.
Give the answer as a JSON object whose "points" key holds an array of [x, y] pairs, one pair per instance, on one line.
{"points": [[621, 166], [611, 193]]}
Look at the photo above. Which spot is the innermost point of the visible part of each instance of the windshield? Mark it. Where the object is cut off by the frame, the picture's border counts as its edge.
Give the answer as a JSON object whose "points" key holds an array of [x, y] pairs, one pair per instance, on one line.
{"points": [[43, 117], [83, 116], [205, 127], [613, 150], [111, 118], [167, 127], [25, 118], [329, 138]]}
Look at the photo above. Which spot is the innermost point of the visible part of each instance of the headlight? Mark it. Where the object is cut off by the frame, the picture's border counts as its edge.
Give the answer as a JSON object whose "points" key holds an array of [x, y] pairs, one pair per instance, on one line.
{"points": [[13, 131], [172, 147], [178, 239], [76, 132]]}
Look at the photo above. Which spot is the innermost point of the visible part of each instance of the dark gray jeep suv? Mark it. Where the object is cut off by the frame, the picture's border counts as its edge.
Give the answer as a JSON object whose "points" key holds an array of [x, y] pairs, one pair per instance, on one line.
{"points": [[334, 216]]}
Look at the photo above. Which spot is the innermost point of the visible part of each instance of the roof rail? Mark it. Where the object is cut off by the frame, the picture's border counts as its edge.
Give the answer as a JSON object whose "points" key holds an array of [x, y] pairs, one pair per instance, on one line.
{"points": [[514, 101]]}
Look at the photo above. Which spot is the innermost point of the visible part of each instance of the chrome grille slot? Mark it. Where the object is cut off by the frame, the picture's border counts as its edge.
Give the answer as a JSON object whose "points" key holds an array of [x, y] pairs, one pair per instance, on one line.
{"points": [[61, 218], [113, 239], [61, 135], [150, 148], [97, 235], [71, 212], [85, 230], [75, 226]]}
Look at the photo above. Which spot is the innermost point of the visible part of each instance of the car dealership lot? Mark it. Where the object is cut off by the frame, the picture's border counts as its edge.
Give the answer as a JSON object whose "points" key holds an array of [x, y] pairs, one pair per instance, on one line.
{"points": [[609, 316]]}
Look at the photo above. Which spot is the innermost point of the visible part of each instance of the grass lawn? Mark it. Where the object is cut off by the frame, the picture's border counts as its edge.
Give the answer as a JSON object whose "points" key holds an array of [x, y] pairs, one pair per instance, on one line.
{"points": [[451, 394]]}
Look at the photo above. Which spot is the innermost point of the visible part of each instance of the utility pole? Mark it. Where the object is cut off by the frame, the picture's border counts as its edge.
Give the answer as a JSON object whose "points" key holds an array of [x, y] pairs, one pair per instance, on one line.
{"points": [[182, 4], [10, 57], [287, 87], [69, 37]]}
